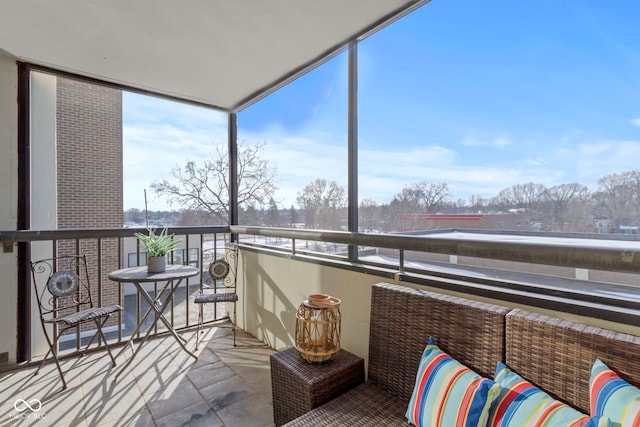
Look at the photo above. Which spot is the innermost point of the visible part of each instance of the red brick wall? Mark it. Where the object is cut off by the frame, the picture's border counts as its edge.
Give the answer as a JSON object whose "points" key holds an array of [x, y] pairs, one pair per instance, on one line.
{"points": [[89, 133], [89, 161]]}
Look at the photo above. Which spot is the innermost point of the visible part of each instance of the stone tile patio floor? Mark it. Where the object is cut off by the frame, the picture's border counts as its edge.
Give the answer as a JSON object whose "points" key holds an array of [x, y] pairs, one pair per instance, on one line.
{"points": [[164, 386]]}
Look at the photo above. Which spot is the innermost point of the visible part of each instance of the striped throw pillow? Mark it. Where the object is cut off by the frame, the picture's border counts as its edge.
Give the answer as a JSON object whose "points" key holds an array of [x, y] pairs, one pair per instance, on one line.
{"points": [[613, 397], [522, 404], [447, 393]]}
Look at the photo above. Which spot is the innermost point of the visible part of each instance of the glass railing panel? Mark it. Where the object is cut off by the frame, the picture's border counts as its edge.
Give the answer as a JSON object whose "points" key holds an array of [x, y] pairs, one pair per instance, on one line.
{"points": [[299, 133], [502, 129]]}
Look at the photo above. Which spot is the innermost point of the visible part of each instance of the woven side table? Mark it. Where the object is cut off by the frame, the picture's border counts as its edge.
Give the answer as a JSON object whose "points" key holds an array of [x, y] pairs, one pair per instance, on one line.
{"points": [[298, 386]]}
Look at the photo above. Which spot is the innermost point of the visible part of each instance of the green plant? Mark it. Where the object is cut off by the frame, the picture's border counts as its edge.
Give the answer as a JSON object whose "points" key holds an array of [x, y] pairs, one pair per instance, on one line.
{"points": [[157, 244]]}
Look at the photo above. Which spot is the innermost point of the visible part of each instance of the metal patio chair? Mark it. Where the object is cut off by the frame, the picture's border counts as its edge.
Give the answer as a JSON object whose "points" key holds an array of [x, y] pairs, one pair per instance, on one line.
{"points": [[222, 290], [64, 297]]}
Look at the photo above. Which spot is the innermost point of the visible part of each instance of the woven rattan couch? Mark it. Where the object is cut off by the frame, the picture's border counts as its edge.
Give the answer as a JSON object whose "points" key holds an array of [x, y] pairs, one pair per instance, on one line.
{"points": [[555, 354]]}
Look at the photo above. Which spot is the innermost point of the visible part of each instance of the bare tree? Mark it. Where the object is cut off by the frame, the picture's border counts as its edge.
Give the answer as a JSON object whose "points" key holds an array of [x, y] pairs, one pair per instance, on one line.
{"points": [[293, 216], [564, 198], [615, 197], [528, 196], [321, 202], [431, 196], [367, 214], [421, 197], [478, 203], [205, 186], [418, 198], [633, 180], [580, 214]]}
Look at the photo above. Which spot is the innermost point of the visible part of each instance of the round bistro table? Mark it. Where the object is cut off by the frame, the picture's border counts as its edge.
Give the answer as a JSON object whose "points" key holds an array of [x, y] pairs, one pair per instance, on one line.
{"points": [[172, 277]]}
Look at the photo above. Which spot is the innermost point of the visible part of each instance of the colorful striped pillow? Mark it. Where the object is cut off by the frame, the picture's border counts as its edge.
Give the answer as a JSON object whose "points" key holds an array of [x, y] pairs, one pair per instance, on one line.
{"points": [[613, 397], [522, 404], [447, 393]]}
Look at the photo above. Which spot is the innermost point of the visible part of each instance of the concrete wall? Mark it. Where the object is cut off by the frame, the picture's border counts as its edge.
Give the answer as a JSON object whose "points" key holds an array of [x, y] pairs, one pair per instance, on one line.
{"points": [[8, 206], [44, 207], [272, 287]]}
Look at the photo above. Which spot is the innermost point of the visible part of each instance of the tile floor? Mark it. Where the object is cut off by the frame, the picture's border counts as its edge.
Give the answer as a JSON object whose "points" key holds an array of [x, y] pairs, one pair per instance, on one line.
{"points": [[164, 386]]}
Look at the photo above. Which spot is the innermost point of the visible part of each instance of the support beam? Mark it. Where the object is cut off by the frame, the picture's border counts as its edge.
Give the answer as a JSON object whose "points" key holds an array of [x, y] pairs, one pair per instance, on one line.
{"points": [[233, 172], [352, 157], [24, 214]]}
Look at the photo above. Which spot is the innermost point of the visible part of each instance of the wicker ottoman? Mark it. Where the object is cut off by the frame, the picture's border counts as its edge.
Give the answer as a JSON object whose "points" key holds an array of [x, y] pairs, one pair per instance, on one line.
{"points": [[298, 386]]}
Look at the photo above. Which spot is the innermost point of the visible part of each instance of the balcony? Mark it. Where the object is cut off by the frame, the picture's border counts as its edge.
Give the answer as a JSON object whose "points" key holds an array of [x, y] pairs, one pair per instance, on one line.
{"points": [[589, 277], [593, 279], [164, 387], [227, 385]]}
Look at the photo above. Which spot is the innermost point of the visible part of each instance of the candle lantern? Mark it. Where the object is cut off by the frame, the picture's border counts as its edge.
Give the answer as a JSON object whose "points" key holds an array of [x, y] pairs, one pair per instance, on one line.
{"points": [[318, 328]]}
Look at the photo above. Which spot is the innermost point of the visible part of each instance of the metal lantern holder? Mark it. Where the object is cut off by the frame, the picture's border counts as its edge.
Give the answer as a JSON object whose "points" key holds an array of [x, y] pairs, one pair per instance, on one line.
{"points": [[318, 328]]}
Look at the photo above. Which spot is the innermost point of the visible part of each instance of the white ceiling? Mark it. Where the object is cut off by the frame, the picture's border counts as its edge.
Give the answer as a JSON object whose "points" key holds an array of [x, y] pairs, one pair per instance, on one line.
{"points": [[222, 53]]}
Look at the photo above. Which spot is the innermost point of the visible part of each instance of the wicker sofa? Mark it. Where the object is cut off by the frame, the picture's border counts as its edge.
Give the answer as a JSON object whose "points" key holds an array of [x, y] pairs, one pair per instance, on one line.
{"points": [[554, 354]]}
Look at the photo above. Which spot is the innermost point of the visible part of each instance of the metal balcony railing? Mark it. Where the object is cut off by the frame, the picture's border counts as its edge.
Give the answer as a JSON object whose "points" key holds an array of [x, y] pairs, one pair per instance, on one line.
{"points": [[403, 260], [108, 250], [592, 275]]}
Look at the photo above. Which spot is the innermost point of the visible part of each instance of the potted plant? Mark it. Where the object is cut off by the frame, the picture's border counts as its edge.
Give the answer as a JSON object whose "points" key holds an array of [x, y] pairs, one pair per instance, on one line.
{"points": [[157, 246]]}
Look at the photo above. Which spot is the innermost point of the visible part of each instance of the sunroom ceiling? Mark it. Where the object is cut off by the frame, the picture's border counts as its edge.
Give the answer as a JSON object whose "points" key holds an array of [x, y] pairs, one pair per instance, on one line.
{"points": [[222, 53]]}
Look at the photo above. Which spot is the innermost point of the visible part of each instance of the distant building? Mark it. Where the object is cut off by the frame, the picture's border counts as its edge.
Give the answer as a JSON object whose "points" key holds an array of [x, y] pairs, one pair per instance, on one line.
{"points": [[485, 221]]}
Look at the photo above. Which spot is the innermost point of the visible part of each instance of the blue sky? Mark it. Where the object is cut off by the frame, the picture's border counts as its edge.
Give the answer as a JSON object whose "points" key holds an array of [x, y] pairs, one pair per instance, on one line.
{"points": [[479, 95]]}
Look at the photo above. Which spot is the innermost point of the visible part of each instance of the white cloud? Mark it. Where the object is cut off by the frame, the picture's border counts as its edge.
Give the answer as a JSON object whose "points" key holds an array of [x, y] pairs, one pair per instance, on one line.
{"points": [[596, 149], [383, 174], [159, 135], [636, 121], [587, 162], [303, 157], [536, 161], [155, 142], [500, 141], [403, 161]]}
